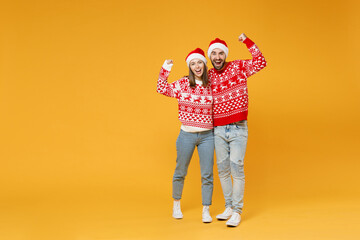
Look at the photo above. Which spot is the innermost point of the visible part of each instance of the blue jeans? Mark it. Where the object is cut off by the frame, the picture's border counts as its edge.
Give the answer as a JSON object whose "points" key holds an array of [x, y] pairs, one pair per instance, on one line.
{"points": [[230, 147], [185, 146]]}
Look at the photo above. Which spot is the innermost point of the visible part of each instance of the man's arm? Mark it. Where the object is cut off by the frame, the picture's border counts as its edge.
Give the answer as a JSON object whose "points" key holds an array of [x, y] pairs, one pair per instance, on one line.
{"points": [[257, 62]]}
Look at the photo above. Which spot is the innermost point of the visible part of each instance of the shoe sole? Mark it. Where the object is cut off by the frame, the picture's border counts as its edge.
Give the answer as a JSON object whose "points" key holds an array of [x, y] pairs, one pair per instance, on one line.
{"points": [[232, 225], [222, 218]]}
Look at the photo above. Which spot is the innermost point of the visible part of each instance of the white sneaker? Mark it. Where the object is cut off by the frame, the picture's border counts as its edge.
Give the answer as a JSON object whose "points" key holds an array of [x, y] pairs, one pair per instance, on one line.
{"points": [[177, 210], [225, 215], [234, 220], [206, 218]]}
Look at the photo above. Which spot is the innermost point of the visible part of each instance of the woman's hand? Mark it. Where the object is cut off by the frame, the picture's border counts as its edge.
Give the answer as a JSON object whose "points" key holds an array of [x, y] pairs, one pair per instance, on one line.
{"points": [[169, 61]]}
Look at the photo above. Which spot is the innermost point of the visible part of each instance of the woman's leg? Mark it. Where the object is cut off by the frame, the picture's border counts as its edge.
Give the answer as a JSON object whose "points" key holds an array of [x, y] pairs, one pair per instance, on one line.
{"points": [[185, 145], [206, 155]]}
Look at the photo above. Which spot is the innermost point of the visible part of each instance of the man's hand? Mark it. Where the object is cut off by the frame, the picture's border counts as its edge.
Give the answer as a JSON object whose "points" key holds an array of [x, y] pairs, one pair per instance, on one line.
{"points": [[170, 61], [242, 37]]}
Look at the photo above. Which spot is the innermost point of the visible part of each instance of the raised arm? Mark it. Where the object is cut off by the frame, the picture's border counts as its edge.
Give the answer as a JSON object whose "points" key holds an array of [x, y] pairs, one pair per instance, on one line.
{"points": [[258, 62], [163, 87]]}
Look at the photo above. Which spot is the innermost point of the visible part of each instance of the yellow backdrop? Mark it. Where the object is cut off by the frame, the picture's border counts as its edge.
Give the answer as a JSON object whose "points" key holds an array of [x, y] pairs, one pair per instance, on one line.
{"points": [[81, 119]]}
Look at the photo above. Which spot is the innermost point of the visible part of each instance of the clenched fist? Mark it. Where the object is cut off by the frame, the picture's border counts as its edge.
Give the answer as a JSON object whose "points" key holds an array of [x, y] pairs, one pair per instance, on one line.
{"points": [[242, 37]]}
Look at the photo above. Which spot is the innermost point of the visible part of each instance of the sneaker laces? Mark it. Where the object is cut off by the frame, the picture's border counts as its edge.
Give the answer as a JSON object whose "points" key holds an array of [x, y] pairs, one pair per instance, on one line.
{"points": [[227, 211], [234, 216], [205, 209], [177, 208]]}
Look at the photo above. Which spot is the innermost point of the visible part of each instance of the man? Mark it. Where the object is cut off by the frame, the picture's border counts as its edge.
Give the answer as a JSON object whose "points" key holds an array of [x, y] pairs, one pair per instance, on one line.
{"points": [[230, 109]]}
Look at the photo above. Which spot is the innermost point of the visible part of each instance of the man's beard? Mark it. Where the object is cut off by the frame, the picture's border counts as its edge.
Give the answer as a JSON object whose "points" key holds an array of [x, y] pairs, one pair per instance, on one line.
{"points": [[218, 68]]}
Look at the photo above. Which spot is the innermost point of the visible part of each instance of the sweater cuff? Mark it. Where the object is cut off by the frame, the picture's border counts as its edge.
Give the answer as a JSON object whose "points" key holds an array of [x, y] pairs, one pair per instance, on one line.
{"points": [[248, 43], [167, 66]]}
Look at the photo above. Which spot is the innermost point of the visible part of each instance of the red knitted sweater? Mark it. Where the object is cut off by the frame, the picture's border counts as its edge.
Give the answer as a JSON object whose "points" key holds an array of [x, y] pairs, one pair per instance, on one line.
{"points": [[195, 104], [229, 86]]}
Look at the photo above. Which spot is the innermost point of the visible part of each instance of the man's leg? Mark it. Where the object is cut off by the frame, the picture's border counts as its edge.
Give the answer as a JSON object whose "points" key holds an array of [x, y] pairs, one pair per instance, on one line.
{"points": [[223, 162], [239, 136]]}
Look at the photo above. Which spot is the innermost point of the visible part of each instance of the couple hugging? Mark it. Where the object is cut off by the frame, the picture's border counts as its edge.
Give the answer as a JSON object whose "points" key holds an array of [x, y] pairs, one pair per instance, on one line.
{"points": [[213, 109]]}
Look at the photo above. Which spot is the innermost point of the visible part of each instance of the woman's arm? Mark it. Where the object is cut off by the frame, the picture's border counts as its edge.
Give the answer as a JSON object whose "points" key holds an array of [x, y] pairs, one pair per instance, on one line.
{"points": [[163, 87]]}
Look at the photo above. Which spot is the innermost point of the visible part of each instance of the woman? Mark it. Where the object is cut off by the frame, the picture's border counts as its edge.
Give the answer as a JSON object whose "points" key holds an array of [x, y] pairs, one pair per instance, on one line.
{"points": [[194, 97]]}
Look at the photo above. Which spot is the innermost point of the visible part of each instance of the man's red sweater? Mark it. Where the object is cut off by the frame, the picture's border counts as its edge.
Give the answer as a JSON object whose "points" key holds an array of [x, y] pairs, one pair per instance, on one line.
{"points": [[229, 86]]}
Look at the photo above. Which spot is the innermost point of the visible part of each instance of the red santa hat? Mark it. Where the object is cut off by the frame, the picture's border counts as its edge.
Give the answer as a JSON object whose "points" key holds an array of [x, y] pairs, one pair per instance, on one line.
{"points": [[197, 53], [218, 43]]}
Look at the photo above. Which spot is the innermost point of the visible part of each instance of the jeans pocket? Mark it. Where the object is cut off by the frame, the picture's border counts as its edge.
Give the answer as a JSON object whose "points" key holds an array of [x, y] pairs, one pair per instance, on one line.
{"points": [[241, 131]]}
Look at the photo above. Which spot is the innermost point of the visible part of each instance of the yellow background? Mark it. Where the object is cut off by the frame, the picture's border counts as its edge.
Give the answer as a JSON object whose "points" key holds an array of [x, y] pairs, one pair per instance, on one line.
{"points": [[87, 146]]}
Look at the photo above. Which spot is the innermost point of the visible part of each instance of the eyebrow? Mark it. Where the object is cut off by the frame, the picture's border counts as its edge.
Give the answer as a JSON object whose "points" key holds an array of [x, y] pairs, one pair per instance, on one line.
{"points": [[218, 52]]}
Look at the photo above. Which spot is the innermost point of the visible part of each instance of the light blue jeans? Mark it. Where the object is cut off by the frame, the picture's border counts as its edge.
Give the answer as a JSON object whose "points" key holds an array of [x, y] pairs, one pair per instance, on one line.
{"points": [[185, 146], [230, 147]]}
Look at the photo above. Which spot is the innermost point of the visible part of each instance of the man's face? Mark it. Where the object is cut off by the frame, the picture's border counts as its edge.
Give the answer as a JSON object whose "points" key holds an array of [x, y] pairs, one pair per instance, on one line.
{"points": [[217, 58]]}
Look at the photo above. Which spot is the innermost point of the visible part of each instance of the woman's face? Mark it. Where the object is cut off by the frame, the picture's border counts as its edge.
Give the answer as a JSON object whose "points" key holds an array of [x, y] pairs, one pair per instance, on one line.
{"points": [[197, 67]]}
